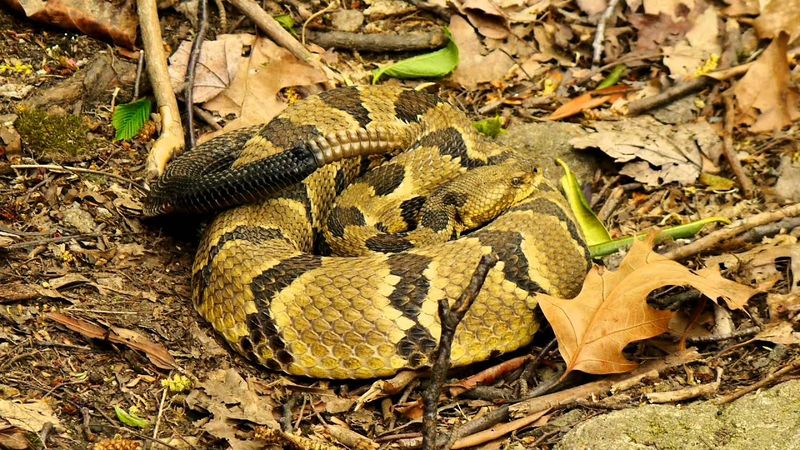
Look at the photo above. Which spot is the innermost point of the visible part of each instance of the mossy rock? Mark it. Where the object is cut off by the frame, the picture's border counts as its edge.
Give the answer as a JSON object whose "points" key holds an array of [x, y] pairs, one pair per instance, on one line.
{"points": [[54, 137]]}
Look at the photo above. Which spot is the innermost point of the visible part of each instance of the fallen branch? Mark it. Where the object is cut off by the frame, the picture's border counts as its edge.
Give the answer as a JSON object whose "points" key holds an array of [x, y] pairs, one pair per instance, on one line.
{"points": [[277, 33], [76, 170], [675, 92], [498, 431], [475, 426], [379, 42], [449, 318], [740, 226], [599, 37], [596, 388], [687, 393], [194, 56], [770, 379], [728, 150], [170, 143]]}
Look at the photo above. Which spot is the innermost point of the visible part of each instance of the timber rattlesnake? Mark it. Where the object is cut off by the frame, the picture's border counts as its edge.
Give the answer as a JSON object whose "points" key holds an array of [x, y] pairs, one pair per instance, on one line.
{"points": [[257, 281]]}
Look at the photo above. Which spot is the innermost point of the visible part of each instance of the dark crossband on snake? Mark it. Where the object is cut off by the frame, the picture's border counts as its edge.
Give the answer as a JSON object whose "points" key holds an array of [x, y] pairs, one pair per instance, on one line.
{"points": [[328, 259]]}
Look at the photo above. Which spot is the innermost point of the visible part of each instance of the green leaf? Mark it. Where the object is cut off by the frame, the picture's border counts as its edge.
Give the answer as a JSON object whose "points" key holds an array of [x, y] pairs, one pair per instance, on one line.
{"points": [[593, 230], [430, 65], [613, 77], [286, 21], [130, 419], [716, 182], [129, 118], [679, 232], [491, 127]]}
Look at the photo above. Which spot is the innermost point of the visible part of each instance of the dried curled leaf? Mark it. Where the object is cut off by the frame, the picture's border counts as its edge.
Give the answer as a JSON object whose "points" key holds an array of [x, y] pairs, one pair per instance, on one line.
{"points": [[612, 311]]}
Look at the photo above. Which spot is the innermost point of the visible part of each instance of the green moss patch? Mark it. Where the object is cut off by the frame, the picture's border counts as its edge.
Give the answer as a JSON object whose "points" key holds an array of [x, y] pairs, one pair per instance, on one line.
{"points": [[54, 138]]}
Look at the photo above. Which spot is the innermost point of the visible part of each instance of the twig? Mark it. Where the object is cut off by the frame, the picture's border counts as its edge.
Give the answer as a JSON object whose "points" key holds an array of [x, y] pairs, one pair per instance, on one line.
{"points": [[330, 6], [449, 318], [77, 170], [611, 203], [740, 226], [626, 59], [498, 431], [194, 56], [53, 240], [300, 6], [687, 393], [170, 142], [160, 413], [379, 42], [567, 396], [273, 29], [771, 378], [206, 117], [675, 92], [223, 16], [483, 422], [758, 233], [599, 37], [728, 150], [527, 372], [139, 69], [350, 438]]}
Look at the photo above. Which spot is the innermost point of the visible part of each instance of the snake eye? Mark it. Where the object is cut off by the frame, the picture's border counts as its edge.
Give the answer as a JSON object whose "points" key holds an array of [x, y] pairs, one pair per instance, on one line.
{"points": [[516, 181]]}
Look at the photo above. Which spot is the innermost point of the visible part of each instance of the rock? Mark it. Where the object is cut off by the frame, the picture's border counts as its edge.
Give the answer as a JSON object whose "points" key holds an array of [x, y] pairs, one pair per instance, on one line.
{"points": [[79, 219], [547, 141], [762, 420], [349, 20], [788, 186]]}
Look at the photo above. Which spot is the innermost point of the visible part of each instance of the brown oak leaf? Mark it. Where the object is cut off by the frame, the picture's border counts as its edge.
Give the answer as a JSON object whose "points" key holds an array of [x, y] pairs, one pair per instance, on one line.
{"points": [[765, 95], [612, 311]]}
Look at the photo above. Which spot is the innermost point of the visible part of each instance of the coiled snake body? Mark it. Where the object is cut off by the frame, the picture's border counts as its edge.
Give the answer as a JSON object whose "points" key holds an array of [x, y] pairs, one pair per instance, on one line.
{"points": [[372, 312]]}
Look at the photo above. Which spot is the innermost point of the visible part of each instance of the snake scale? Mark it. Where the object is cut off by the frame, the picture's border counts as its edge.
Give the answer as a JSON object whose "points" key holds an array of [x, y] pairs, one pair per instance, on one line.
{"points": [[315, 182]]}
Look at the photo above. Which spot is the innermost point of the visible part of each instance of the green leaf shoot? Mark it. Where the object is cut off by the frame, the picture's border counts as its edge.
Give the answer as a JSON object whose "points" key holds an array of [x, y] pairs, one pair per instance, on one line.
{"points": [[678, 232], [130, 418], [491, 127], [430, 65], [593, 230], [614, 77], [287, 22], [129, 118]]}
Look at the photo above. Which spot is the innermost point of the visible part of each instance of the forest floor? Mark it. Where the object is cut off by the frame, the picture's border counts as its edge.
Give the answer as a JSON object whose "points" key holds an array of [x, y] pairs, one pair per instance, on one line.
{"points": [[96, 317]]}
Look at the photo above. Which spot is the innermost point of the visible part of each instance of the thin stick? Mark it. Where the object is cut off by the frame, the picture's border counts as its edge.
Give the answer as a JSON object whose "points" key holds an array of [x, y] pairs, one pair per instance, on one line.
{"points": [[379, 42], [568, 396], [675, 92], [717, 338], [474, 426], [330, 6], [194, 56], [740, 226], [599, 37], [769, 379], [728, 150], [206, 117], [139, 70], [498, 431], [449, 318], [160, 412], [274, 30], [77, 170]]}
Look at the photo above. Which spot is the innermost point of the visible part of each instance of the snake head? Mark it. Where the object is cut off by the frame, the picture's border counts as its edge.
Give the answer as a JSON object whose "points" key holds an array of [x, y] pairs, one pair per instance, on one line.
{"points": [[484, 193]]}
